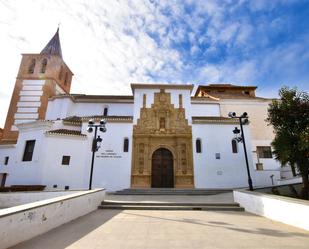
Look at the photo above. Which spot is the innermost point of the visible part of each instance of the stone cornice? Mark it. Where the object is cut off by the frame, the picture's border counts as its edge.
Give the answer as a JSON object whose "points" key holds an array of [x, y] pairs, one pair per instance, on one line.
{"points": [[75, 120], [161, 86], [43, 124], [214, 120]]}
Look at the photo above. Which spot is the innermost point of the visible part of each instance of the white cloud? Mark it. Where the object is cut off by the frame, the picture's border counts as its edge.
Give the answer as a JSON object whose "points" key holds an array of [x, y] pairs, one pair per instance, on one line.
{"points": [[210, 73], [109, 44]]}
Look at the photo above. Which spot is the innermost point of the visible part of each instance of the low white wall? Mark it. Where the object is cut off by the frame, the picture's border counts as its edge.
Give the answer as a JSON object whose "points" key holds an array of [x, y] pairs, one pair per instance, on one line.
{"points": [[290, 181], [26, 221], [284, 209], [11, 199]]}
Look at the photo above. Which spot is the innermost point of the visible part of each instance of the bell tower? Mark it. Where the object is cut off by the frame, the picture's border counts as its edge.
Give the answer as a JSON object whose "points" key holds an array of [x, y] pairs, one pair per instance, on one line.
{"points": [[40, 77]]}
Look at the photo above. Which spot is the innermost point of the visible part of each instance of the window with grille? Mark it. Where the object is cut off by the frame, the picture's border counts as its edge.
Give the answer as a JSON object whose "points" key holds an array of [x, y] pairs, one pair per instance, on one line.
{"points": [[264, 151], [29, 148]]}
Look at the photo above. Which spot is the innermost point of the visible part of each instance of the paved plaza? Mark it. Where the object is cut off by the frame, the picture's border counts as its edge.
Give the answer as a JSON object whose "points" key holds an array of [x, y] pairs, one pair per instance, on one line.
{"points": [[136, 229]]}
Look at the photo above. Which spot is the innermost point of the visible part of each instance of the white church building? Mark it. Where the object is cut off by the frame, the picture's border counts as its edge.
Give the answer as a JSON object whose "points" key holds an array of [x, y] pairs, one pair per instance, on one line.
{"points": [[163, 135]]}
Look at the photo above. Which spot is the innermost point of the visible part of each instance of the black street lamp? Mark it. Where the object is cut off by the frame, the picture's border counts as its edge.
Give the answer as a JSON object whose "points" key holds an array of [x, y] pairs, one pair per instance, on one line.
{"points": [[96, 142], [243, 119]]}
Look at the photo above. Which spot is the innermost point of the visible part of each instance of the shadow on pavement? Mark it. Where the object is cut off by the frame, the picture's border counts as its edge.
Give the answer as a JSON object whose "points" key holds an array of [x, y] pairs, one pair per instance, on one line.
{"points": [[228, 226], [69, 232]]}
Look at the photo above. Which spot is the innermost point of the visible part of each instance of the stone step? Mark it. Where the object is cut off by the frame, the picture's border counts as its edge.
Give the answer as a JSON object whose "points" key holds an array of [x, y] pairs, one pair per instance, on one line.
{"points": [[170, 207], [159, 191], [149, 205], [139, 203]]}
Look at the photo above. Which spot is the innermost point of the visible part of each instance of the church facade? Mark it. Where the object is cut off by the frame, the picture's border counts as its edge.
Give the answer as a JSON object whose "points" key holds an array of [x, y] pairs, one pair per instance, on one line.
{"points": [[161, 136]]}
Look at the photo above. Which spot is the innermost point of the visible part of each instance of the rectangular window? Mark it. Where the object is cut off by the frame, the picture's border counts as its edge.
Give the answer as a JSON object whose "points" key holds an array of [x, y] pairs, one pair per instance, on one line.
{"points": [[198, 145], [66, 160], [29, 148], [126, 145], [264, 151], [6, 160], [234, 146], [218, 156]]}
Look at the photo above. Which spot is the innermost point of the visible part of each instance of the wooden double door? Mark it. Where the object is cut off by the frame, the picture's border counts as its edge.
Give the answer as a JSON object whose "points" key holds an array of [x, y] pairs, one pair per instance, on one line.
{"points": [[162, 172]]}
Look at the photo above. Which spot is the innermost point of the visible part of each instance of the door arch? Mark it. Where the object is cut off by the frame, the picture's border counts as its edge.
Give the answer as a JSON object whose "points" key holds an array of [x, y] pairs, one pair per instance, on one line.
{"points": [[162, 170]]}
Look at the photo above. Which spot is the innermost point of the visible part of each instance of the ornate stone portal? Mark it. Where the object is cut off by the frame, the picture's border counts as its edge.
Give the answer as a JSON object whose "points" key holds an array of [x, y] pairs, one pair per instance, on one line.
{"points": [[162, 126]]}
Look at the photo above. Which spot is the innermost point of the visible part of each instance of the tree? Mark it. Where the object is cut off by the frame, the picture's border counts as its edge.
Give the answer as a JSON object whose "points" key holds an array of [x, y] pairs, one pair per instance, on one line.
{"points": [[290, 118]]}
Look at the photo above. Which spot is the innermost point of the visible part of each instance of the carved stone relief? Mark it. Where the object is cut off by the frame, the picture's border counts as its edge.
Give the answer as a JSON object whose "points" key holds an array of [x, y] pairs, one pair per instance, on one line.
{"points": [[162, 126]]}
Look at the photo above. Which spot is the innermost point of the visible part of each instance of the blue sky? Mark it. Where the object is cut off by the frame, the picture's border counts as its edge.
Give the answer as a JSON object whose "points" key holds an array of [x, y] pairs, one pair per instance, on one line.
{"points": [[110, 44]]}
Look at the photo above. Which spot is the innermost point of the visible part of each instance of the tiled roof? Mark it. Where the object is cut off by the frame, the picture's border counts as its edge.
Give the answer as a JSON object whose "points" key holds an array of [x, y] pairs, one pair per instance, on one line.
{"points": [[66, 132], [232, 96], [78, 120], [8, 142], [97, 98], [226, 86], [213, 120], [53, 47]]}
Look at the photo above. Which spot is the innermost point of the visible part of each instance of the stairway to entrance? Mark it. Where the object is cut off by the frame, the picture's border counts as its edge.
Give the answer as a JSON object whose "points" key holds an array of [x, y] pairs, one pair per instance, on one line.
{"points": [[170, 191], [171, 199], [170, 206]]}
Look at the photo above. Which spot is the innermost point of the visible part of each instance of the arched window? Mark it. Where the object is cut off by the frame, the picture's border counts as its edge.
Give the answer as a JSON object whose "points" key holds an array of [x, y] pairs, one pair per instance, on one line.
{"points": [[105, 111], [31, 66], [66, 78], [234, 146], [60, 73], [43, 66], [126, 145], [198, 145]]}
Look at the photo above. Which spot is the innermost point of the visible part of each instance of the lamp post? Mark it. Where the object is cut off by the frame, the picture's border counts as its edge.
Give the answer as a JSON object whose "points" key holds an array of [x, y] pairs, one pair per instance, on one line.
{"points": [[243, 119], [96, 142]]}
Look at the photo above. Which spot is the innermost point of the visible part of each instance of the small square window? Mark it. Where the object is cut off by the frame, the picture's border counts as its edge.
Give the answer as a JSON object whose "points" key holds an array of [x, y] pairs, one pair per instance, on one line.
{"points": [[66, 160], [55, 186], [218, 156], [66, 187], [6, 160]]}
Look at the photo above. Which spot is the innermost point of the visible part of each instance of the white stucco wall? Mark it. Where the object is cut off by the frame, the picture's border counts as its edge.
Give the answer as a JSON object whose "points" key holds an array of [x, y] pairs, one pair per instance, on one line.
{"points": [[11, 199], [205, 109], [65, 107], [24, 222], [230, 170], [6, 150], [72, 175], [112, 166], [114, 109], [59, 108], [28, 172], [284, 209]]}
